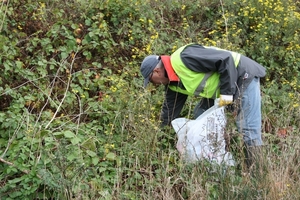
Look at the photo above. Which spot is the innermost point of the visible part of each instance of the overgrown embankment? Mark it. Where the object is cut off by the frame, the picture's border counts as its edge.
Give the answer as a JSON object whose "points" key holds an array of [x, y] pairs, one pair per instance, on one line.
{"points": [[75, 121]]}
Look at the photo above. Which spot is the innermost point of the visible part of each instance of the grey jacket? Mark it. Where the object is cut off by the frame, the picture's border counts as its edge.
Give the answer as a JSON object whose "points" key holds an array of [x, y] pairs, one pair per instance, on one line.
{"points": [[233, 79], [202, 59]]}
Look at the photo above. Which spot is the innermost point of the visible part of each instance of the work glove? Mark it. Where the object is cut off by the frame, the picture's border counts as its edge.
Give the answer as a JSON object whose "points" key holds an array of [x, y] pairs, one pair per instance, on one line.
{"points": [[225, 100]]}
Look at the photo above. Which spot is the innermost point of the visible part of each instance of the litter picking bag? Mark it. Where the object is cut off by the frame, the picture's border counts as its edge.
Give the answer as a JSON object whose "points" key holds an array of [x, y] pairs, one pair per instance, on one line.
{"points": [[203, 138]]}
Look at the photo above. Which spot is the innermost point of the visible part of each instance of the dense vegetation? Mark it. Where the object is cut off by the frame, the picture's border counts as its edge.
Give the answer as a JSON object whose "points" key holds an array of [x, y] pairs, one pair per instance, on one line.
{"points": [[76, 123]]}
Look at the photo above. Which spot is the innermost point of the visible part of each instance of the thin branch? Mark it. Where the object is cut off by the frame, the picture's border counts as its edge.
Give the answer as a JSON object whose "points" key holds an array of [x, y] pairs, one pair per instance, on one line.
{"points": [[11, 139], [80, 113], [48, 97], [29, 81], [3, 2], [225, 19], [66, 91], [13, 165]]}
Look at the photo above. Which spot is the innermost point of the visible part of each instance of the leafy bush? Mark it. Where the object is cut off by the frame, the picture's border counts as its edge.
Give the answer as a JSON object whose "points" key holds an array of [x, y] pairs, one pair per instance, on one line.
{"points": [[75, 121]]}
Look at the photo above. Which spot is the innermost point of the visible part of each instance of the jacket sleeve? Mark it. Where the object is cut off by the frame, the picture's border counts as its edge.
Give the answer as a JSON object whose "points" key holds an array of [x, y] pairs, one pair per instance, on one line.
{"points": [[172, 106], [200, 59]]}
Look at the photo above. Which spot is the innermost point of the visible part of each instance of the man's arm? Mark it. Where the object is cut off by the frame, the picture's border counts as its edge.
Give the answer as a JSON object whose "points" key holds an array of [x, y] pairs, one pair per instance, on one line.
{"points": [[172, 106]]}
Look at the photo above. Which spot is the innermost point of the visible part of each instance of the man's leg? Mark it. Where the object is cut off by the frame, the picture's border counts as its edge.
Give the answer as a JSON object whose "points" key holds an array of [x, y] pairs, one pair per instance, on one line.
{"points": [[249, 121]]}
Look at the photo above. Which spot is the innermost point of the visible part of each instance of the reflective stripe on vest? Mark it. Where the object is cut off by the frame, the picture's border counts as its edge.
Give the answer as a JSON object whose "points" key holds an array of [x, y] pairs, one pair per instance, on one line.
{"points": [[202, 84]]}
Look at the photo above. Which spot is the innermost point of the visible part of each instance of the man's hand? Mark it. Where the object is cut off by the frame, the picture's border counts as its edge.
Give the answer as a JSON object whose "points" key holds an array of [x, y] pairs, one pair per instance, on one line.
{"points": [[225, 100]]}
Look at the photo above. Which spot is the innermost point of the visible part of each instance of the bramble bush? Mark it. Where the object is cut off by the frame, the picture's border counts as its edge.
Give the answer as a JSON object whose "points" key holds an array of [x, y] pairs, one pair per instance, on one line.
{"points": [[76, 123]]}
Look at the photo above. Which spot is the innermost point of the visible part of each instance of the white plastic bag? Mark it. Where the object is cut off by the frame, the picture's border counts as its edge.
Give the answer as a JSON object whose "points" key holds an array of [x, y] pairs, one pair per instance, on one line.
{"points": [[203, 138]]}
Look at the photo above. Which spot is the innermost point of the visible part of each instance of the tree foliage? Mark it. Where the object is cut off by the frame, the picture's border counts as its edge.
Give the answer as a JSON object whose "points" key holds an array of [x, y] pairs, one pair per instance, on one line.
{"points": [[75, 121]]}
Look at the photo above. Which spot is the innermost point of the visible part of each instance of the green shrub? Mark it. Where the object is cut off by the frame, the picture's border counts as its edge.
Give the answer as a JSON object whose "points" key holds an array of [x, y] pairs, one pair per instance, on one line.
{"points": [[75, 121]]}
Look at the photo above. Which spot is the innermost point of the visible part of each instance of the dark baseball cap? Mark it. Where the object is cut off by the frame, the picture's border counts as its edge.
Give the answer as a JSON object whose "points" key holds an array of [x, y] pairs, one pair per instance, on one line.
{"points": [[147, 66]]}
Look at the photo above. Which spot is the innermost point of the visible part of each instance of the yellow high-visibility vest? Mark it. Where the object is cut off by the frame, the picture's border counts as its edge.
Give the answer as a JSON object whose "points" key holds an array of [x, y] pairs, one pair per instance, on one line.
{"points": [[196, 83]]}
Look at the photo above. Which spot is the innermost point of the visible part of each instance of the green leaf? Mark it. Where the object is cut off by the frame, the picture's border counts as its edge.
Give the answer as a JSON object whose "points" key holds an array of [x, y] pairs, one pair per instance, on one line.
{"points": [[69, 134], [91, 34], [75, 140], [71, 44], [91, 153], [19, 64], [2, 142], [102, 169], [88, 22], [15, 194], [71, 157], [64, 55], [57, 133], [16, 180], [74, 26], [87, 54], [95, 160], [111, 156]]}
